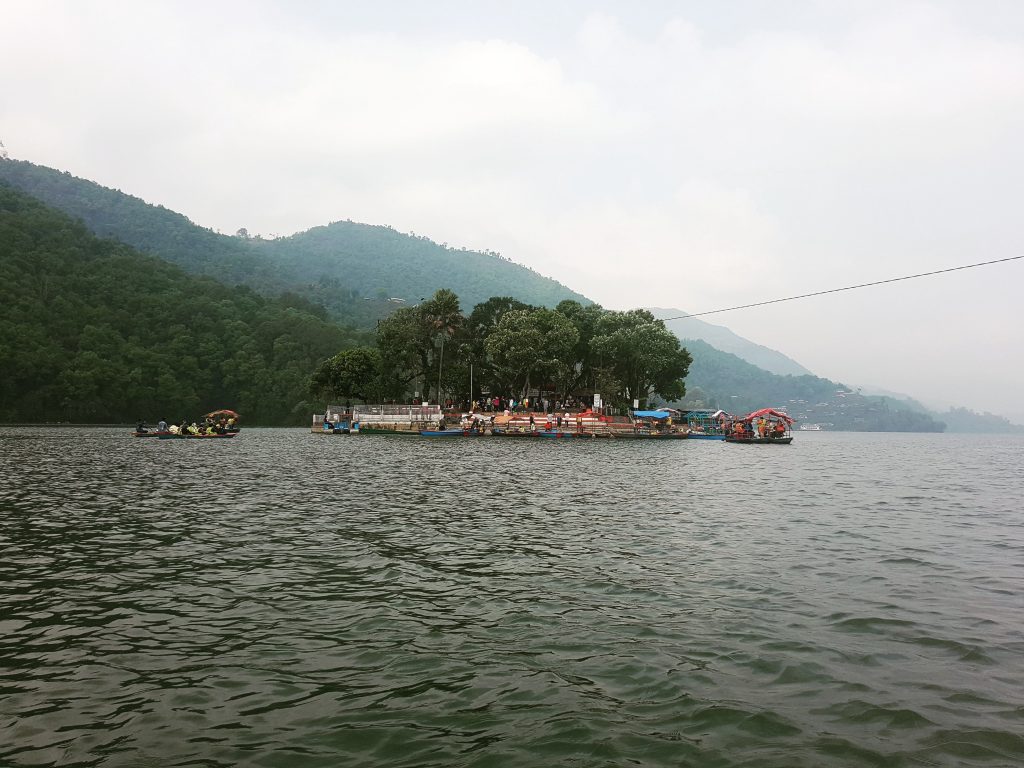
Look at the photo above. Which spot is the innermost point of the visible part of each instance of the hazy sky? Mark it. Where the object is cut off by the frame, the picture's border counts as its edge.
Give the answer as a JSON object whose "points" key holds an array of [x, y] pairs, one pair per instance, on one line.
{"points": [[694, 155]]}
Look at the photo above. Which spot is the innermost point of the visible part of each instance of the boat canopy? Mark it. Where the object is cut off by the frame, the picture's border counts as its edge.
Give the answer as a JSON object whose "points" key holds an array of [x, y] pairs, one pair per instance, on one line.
{"points": [[651, 414], [222, 412], [768, 412]]}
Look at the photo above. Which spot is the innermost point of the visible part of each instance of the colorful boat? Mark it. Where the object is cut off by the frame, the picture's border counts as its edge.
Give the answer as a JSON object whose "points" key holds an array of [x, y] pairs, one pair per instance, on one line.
{"points": [[776, 428], [661, 424]]}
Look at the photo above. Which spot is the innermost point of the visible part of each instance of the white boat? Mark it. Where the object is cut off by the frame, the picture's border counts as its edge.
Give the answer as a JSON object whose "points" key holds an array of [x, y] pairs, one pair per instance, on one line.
{"points": [[810, 427]]}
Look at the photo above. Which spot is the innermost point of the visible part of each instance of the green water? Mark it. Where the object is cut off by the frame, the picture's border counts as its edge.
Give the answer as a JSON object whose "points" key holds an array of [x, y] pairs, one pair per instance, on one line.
{"points": [[287, 599]]}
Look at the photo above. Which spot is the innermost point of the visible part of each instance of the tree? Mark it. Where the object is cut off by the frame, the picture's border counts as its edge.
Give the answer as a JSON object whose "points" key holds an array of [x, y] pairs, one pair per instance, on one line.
{"points": [[404, 343], [530, 345], [352, 374], [443, 316], [643, 356]]}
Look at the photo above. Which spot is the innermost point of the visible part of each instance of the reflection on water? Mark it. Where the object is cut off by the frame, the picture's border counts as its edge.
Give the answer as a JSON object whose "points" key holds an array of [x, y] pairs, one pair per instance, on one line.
{"points": [[288, 599]]}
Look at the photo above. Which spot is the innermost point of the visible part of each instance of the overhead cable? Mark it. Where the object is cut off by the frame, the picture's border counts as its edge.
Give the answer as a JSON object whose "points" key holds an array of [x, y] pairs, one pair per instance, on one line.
{"points": [[847, 288]]}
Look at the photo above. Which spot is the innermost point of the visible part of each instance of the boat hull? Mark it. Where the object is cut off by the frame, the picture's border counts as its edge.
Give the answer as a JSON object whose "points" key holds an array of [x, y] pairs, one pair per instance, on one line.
{"points": [[760, 440], [172, 436], [449, 433], [379, 431]]}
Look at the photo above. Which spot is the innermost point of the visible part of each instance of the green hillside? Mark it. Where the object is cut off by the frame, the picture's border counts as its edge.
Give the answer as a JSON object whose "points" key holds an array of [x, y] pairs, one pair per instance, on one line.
{"points": [[93, 331], [380, 261], [149, 228], [352, 269]]}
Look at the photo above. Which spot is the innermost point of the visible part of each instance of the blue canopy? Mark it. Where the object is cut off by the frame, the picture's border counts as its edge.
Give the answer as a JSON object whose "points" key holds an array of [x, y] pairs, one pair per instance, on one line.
{"points": [[651, 414]]}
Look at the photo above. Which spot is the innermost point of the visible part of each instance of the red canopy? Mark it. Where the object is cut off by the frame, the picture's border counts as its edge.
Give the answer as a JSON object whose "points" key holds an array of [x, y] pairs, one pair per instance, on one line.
{"points": [[222, 412], [768, 412]]}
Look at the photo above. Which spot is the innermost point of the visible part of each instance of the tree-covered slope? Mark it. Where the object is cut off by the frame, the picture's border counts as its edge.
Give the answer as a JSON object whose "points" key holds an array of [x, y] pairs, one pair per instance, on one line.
{"points": [[93, 331], [380, 261], [149, 228], [349, 268]]}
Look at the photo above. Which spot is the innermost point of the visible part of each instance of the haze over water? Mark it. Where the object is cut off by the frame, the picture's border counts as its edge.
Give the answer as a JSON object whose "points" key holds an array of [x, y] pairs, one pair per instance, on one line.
{"points": [[286, 599]]}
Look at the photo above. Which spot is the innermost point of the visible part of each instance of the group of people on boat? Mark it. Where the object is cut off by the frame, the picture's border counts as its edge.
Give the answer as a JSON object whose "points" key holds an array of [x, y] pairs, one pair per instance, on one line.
{"points": [[761, 428], [209, 426]]}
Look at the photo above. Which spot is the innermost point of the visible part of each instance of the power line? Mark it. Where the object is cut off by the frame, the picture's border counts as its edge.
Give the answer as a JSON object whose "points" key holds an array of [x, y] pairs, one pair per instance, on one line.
{"points": [[847, 288]]}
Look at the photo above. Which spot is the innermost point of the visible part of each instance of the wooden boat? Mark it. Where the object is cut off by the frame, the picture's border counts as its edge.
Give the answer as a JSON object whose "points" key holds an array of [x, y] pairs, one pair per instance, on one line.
{"points": [[623, 435], [450, 433], [778, 432], [186, 436], [760, 440], [498, 432], [707, 424], [384, 430]]}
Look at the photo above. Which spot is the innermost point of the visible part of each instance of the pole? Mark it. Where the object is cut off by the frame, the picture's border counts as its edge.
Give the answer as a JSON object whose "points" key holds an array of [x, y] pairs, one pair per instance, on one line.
{"points": [[471, 385], [439, 367]]}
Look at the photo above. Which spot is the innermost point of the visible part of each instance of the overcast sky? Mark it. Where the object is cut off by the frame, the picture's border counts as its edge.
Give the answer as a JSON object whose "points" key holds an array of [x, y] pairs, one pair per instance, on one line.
{"points": [[687, 154]]}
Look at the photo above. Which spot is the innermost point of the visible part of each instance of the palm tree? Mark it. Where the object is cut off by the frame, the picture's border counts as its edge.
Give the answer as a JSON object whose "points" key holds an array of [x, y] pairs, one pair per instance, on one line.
{"points": [[443, 318]]}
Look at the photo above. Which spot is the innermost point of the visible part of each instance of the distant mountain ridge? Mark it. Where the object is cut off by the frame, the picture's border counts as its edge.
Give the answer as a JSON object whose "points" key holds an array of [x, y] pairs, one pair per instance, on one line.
{"points": [[725, 340]]}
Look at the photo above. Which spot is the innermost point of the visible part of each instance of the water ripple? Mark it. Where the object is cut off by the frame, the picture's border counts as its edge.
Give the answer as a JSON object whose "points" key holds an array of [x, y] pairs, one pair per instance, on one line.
{"points": [[286, 599]]}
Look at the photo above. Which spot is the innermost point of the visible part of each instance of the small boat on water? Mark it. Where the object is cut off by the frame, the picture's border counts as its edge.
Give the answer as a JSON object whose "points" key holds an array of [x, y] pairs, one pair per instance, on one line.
{"points": [[766, 426], [707, 424], [556, 433], [335, 420], [454, 432], [176, 436], [220, 424]]}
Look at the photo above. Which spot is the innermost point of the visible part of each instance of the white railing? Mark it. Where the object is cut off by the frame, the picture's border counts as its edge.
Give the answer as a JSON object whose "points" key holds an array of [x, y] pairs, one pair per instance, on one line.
{"points": [[395, 414]]}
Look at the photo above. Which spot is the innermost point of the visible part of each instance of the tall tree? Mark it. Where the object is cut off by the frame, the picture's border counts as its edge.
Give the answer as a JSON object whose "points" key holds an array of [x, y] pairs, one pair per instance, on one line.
{"points": [[643, 356]]}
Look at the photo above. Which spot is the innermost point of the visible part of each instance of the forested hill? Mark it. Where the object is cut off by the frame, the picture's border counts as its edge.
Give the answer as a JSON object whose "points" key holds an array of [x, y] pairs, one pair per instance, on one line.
{"points": [[93, 331], [149, 228], [380, 260], [721, 380], [352, 269]]}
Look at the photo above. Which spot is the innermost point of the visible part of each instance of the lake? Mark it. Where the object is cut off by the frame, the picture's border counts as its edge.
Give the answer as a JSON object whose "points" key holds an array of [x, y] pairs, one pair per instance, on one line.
{"points": [[288, 599]]}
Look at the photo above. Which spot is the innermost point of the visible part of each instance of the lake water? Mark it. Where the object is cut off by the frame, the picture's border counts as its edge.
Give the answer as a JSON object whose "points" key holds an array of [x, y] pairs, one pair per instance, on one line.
{"points": [[287, 599]]}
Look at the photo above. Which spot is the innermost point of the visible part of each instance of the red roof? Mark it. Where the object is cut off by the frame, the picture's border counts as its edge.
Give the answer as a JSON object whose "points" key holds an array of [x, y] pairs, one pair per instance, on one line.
{"points": [[768, 412]]}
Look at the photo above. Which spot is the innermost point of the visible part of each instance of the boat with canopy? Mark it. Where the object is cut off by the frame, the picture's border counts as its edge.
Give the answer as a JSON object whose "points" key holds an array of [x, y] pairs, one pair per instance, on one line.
{"points": [[766, 426]]}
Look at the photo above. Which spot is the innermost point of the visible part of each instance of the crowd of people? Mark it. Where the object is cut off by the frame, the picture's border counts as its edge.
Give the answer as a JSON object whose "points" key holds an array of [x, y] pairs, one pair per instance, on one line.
{"points": [[514, 405]]}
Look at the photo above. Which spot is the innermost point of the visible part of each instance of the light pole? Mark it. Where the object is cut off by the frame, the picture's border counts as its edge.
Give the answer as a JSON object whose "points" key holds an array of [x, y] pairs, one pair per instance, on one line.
{"points": [[439, 367]]}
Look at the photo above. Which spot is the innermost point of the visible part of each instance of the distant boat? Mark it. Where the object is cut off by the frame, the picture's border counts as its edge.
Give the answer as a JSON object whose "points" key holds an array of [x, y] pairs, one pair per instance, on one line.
{"points": [[810, 427]]}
